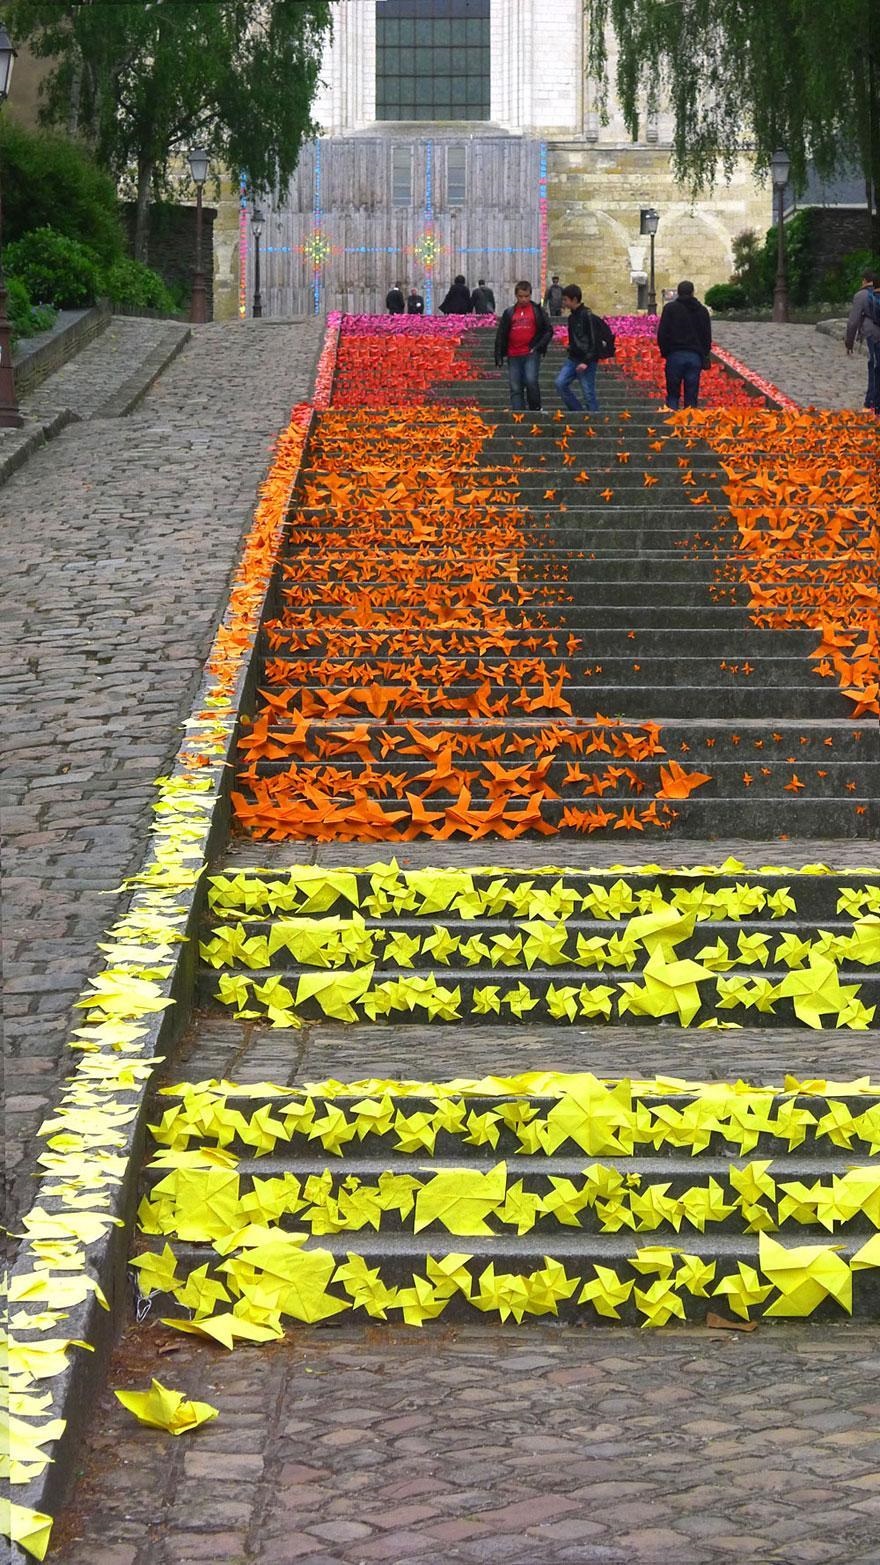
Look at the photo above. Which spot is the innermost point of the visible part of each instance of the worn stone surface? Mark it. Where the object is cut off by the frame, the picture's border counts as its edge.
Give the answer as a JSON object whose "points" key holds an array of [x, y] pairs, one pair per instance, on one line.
{"points": [[118, 544], [807, 365], [487, 1444]]}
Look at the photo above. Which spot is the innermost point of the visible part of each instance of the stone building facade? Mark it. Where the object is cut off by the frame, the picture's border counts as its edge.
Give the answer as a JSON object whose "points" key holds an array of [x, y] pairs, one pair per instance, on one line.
{"points": [[529, 183]]}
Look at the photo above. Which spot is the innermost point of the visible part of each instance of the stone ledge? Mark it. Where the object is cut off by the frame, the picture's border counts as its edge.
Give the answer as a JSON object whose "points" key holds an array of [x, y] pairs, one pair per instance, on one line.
{"points": [[34, 362], [133, 390]]}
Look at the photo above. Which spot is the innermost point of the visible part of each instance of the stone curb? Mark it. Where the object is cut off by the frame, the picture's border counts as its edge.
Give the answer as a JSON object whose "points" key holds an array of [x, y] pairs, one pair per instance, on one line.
{"points": [[34, 364], [133, 390], [15, 449], [74, 1390]]}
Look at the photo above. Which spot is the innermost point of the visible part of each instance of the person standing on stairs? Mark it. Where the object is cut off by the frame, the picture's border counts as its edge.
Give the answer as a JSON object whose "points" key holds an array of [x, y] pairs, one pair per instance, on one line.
{"points": [[589, 340], [684, 337], [864, 324], [415, 303], [553, 298], [458, 299], [523, 337], [483, 299], [395, 303]]}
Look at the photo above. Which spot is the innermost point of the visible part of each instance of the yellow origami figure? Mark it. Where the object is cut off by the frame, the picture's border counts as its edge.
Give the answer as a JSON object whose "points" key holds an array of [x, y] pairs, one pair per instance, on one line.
{"points": [[162, 1408]]}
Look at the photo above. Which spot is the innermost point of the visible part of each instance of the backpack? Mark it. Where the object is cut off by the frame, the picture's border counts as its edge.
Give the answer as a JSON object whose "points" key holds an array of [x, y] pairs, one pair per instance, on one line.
{"points": [[872, 306], [603, 338]]}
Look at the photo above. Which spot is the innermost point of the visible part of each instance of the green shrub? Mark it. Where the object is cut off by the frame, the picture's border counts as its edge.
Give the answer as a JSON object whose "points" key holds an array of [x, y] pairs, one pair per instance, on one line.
{"points": [[52, 182], [726, 296], [798, 258], [748, 269], [54, 269], [133, 286], [840, 282], [26, 319]]}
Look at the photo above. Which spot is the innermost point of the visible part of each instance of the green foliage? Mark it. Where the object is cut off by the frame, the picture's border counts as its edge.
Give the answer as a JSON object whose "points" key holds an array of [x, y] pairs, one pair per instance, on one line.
{"points": [[149, 81], [801, 74], [840, 282], [26, 318], [747, 265], [132, 286], [798, 258], [726, 296], [54, 269], [52, 182]]}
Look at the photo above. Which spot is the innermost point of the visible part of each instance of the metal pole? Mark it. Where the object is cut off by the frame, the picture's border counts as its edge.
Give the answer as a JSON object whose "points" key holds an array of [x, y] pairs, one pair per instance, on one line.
{"points": [[198, 311], [780, 287], [652, 292], [10, 417], [258, 301]]}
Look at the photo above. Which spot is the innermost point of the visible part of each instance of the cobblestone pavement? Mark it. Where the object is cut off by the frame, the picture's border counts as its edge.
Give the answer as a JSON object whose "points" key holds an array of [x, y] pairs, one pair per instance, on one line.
{"points": [[117, 548], [529, 1446], [804, 363], [95, 374]]}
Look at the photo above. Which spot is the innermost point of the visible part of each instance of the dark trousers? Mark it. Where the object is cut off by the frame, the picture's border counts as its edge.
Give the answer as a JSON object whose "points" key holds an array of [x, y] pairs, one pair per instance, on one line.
{"points": [[683, 367], [872, 395], [523, 372]]}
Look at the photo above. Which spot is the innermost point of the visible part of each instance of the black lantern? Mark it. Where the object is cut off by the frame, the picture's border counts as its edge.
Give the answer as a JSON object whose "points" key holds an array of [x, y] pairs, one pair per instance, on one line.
{"points": [[650, 219], [257, 221], [10, 417], [780, 165]]}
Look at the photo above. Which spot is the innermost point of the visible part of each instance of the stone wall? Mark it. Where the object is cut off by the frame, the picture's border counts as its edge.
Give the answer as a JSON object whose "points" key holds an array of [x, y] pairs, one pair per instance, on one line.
{"points": [[836, 232], [171, 243], [595, 194]]}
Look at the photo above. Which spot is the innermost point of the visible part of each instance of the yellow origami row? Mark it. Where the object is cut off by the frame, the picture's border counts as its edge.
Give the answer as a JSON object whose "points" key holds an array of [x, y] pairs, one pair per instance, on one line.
{"points": [[596, 1118], [276, 1276], [667, 988], [197, 1204]]}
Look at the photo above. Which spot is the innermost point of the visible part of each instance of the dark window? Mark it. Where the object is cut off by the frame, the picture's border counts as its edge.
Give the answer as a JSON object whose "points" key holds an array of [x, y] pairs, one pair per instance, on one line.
{"points": [[432, 59]]}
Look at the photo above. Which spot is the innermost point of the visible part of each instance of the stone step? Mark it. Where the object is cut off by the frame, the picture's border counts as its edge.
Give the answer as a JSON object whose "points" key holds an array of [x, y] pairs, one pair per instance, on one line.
{"points": [[732, 644]]}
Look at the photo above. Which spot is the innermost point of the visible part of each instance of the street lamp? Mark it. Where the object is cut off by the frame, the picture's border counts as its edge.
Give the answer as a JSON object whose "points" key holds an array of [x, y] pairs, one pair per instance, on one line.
{"points": [[10, 418], [257, 221], [199, 163], [651, 219], [780, 164]]}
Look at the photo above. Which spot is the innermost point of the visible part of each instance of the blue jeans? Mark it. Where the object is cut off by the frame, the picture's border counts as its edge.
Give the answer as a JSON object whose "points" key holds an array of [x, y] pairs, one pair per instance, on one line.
{"points": [[568, 378], [683, 365], [872, 395], [522, 372]]}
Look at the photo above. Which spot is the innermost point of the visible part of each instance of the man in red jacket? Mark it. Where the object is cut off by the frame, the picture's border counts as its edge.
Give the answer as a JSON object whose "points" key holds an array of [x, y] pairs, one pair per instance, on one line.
{"points": [[523, 336]]}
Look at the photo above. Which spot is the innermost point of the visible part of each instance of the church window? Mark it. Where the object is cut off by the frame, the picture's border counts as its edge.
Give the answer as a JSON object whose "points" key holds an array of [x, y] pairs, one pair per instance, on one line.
{"points": [[456, 176], [432, 59], [401, 175]]}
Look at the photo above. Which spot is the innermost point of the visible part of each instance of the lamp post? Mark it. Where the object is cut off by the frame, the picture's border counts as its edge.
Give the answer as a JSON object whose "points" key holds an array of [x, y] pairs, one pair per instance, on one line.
{"points": [[10, 418], [257, 230], [652, 218], [780, 164], [199, 163]]}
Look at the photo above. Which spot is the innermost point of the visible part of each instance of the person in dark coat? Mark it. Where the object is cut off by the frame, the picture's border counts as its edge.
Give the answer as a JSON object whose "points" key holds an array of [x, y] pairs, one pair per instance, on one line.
{"points": [[590, 339], [684, 337], [458, 299], [862, 326], [553, 298], [483, 299], [523, 337], [415, 304], [395, 303]]}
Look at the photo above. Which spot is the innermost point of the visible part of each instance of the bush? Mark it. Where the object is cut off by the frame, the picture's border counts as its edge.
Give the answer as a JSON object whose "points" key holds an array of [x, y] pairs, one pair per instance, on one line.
{"points": [[26, 319], [133, 286], [798, 257], [747, 266], [50, 182], [840, 282], [54, 269], [726, 296]]}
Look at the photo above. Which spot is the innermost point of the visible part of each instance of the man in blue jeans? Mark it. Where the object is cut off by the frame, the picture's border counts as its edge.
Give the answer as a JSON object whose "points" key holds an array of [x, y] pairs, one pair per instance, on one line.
{"points": [[589, 339], [862, 326], [684, 337], [523, 336]]}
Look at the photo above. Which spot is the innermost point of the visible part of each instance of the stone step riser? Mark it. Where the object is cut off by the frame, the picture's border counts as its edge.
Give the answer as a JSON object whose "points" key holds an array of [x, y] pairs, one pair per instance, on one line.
{"points": [[672, 700]]}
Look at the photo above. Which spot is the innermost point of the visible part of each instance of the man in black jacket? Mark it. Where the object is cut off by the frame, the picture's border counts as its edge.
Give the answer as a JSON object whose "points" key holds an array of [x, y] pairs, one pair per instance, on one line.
{"points": [[589, 339], [684, 337], [415, 304], [395, 303], [483, 299], [523, 337], [458, 299]]}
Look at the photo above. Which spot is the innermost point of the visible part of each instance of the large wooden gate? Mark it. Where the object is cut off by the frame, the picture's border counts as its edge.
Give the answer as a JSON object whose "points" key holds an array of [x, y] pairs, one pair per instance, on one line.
{"points": [[363, 212]]}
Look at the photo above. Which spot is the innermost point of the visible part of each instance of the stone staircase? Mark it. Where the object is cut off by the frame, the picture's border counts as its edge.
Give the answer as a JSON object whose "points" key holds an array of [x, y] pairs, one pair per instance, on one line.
{"points": [[491, 627]]}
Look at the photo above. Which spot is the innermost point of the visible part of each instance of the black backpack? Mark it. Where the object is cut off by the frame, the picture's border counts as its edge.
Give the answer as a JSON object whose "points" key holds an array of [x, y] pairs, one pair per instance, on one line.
{"points": [[603, 337], [872, 306]]}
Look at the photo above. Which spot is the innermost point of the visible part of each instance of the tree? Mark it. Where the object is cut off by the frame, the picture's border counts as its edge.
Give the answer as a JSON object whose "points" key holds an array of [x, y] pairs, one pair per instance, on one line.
{"points": [[144, 80], [756, 74]]}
